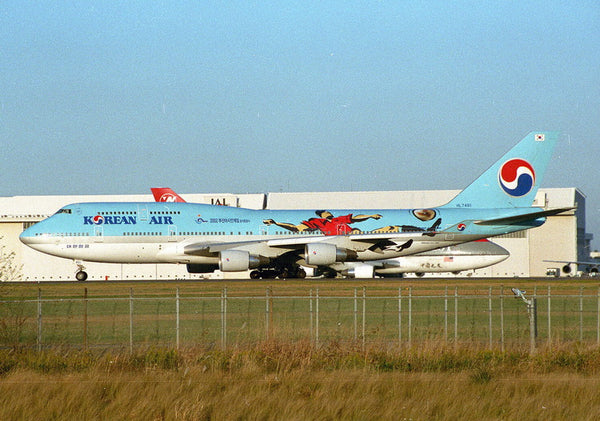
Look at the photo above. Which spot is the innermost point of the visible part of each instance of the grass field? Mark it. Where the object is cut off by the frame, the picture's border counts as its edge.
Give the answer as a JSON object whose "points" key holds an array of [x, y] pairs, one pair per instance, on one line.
{"points": [[297, 381], [271, 365]]}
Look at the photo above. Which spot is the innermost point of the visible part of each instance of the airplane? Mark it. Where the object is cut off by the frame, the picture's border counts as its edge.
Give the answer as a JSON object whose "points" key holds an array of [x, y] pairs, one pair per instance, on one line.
{"points": [[207, 237], [592, 267], [466, 256], [455, 259]]}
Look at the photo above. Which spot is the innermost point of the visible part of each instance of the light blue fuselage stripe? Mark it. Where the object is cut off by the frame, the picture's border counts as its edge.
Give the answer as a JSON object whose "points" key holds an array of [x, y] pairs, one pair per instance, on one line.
{"points": [[189, 219]]}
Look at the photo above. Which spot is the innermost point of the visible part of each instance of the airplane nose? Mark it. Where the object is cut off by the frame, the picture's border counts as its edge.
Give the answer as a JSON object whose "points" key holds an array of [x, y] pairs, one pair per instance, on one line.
{"points": [[25, 237], [28, 236], [496, 249], [481, 247]]}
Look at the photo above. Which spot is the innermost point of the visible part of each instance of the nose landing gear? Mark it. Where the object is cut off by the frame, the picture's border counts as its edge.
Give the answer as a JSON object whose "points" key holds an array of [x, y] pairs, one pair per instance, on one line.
{"points": [[81, 275]]}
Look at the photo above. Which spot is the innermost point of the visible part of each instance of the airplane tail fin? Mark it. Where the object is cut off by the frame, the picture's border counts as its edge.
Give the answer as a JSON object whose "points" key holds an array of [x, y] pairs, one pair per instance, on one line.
{"points": [[514, 179], [165, 194]]}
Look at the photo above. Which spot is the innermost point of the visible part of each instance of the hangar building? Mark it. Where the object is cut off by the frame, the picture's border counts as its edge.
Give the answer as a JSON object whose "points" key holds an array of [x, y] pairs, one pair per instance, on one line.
{"points": [[562, 237]]}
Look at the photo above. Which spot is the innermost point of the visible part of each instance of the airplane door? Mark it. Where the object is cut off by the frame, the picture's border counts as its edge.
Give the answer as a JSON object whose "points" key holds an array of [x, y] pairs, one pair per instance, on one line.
{"points": [[172, 233], [143, 213], [98, 234]]}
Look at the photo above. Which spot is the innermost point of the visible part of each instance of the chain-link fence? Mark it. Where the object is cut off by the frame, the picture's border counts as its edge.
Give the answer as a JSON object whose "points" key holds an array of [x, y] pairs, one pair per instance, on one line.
{"points": [[486, 317]]}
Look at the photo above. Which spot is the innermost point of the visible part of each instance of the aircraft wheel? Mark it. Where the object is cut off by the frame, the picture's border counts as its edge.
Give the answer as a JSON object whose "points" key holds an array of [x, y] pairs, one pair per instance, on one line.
{"points": [[81, 276], [254, 274], [420, 274], [301, 274]]}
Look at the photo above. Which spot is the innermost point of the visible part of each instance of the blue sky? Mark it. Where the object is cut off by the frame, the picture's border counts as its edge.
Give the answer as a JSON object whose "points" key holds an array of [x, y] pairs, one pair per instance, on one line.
{"points": [[116, 97]]}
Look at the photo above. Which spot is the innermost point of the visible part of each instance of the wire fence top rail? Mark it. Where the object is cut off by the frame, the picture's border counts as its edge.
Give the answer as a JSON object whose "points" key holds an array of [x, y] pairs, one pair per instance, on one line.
{"points": [[404, 294]]}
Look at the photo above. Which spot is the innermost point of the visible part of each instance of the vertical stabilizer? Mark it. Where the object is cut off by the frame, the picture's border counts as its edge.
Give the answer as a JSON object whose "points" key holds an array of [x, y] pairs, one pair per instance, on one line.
{"points": [[513, 180], [166, 194]]}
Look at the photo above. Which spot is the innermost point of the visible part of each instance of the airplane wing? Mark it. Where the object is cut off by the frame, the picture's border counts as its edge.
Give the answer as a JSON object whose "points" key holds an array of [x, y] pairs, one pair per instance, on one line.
{"points": [[396, 243], [212, 249], [568, 262]]}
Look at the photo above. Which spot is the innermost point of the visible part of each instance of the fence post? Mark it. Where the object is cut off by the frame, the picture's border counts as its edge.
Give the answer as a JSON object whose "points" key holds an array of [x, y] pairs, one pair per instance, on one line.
{"points": [[131, 320], [410, 316], [535, 311], [580, 314], [446, 314], [532, 309], [310, 311], [400, 316], [224, 318], [39, 321], [177, 318], [490, 312], [317, 319], [85, 319], [355, 314], [364, 317], [455, 316], [502, 317], [549, 317]]}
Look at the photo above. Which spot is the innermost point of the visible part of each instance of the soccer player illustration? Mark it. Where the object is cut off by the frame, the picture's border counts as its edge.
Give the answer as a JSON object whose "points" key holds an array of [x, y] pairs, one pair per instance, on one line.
{"points": [[326, 223]]}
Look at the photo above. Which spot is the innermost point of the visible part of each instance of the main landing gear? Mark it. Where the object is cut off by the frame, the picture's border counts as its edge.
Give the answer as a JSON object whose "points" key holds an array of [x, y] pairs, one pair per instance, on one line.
{"points": [[281, 273]]}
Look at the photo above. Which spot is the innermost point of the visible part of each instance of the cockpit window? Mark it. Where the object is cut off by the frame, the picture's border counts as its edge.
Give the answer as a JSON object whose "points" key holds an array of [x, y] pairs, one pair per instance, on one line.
{"points": [[64, 210]]}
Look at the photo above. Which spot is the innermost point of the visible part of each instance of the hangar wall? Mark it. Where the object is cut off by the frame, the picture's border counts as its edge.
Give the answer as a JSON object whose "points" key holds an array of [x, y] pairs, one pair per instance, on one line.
{"points": [[562, 237]]}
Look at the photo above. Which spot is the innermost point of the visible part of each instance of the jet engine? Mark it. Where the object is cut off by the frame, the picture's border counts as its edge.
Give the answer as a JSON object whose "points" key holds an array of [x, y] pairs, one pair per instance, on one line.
{"points": [[360, 271], [239, 260], [566, 268], [322, 254]]}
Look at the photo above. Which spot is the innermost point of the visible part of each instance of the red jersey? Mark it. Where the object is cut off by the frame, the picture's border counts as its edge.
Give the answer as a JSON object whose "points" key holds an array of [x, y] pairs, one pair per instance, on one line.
{"points": [[334, 226]]}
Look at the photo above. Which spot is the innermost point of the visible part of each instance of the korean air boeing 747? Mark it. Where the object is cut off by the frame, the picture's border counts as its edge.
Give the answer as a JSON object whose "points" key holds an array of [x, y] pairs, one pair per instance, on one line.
{"points": [[207, 237]]}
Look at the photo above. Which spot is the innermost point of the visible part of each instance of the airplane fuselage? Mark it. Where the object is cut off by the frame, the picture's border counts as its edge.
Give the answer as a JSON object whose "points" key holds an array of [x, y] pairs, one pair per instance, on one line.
{"points": [[192, 233]]}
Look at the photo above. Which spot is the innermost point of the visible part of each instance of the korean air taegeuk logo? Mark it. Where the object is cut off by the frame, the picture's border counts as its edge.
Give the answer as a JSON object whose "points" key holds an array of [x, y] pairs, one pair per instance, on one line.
{"points": [[516, 177]]}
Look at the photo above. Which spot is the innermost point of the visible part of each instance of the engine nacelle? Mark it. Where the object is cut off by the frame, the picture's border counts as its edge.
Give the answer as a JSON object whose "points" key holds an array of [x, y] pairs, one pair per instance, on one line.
{"points": [[322, 254], [566, 268], [239, 260], [360, 271]]}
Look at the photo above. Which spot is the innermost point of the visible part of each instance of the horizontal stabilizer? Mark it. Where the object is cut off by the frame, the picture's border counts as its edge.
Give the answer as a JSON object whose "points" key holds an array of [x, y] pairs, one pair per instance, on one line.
{"points": [[509, 220]]}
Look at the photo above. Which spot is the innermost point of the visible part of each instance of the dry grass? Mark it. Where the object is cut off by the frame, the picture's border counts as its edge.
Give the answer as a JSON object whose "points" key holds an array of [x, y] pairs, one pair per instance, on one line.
{"points": [[297, 381]]}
